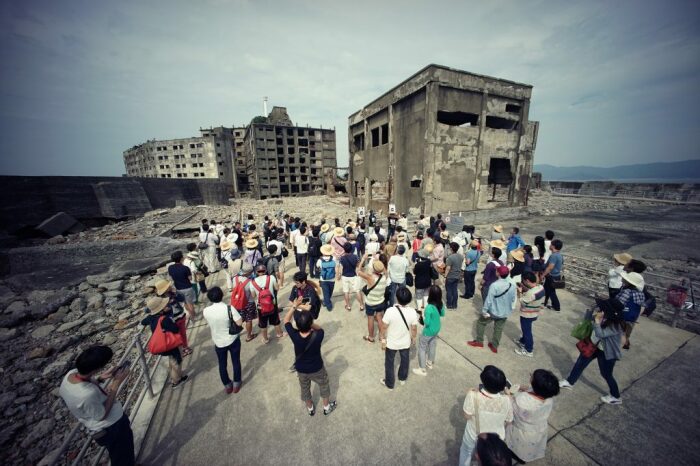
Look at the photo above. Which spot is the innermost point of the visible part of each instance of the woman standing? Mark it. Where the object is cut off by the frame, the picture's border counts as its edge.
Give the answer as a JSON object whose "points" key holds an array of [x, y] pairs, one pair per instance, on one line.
{"points": [[427, 342], [211, 240], [424, 275], [608, 328], [157, 308], [375, 304]]}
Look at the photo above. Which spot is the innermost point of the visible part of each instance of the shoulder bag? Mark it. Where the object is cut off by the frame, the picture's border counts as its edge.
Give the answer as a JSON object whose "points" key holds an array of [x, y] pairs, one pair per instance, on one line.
{"points": [[162, 341], [233, 327], [366, 290], [204, 244], [507, 290], [398, 308], [293, 368], [559, 283], [409, 279]]}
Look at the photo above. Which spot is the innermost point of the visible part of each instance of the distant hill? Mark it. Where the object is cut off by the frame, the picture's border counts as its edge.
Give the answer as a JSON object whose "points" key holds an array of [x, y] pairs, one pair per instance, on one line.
{"points": [[685, 171]]}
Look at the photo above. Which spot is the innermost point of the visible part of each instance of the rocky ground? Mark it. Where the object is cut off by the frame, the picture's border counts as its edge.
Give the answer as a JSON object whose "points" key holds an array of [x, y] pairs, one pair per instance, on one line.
{"points": [[45, 323]]}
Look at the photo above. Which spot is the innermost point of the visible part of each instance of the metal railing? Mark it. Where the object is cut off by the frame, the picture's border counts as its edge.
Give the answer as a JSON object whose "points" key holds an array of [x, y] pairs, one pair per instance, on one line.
{"points": [[140, 378], [691, 197]]}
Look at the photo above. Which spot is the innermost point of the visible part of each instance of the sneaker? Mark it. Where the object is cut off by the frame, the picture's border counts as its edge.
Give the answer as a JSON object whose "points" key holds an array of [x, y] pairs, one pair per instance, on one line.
{"points": [[419, 371], [236, 387], [329, 409], [429, 364], [383, 382], [179, 384], [402, 382], [475, 343], [518, 342], [611, 400], [493, 348], [565, 384], [228, 389], [523, 352], [311, 411]]}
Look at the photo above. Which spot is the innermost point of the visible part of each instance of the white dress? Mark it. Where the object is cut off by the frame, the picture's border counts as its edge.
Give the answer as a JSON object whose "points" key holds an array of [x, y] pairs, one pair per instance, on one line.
{"points": [[527, 435]]}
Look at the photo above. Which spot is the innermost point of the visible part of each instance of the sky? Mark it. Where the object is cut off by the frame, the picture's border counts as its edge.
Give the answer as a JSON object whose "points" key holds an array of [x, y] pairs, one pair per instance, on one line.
{"points": [[81, 81]]}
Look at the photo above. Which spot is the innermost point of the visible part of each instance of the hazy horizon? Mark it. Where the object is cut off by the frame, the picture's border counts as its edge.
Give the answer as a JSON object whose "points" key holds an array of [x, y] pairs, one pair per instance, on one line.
{"points": [[614, 84]]}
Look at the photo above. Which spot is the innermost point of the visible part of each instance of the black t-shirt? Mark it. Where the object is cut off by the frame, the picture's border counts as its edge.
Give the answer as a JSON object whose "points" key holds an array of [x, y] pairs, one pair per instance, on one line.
{"points": [[349, 264], [311, 361], [180, 275]]}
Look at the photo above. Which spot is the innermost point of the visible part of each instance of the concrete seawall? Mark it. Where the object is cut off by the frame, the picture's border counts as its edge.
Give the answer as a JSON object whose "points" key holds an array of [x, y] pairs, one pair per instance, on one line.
{"points": [[682, 192], [28, 200]]}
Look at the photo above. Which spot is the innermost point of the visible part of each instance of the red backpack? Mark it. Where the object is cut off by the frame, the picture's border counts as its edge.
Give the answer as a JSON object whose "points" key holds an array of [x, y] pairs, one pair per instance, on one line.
{"points": [[239, 300], [266, 301]]}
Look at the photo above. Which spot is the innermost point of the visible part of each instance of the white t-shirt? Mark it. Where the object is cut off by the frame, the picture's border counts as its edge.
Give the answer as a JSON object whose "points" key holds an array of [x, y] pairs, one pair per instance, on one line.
{"points": [[292, 236], [398, 266], [494, 412], [372, 247], [279, 245], [86, 401], [260, 281], [216, 316], [547, 252], [302, 243], [211, 238], [397, 335]]}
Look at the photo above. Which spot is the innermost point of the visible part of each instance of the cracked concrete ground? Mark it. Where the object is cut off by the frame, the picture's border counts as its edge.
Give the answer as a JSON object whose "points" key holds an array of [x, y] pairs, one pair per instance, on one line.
{"points": [[421, 422]]}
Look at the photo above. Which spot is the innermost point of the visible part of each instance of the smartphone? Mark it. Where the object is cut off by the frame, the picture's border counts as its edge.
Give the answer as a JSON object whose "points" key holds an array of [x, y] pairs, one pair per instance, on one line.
{"points": [[305, 301]]}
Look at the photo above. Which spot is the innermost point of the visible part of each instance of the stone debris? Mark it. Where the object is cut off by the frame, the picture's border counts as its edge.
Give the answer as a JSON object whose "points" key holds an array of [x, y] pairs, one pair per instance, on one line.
{"points": [[60, 223]]}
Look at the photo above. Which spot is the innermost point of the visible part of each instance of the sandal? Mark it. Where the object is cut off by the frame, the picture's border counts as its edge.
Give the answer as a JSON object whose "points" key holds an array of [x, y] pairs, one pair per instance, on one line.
{"points": [[251, 337], [186, 352], [367, 338], [265, 341], [348, 308], [281, 335]]}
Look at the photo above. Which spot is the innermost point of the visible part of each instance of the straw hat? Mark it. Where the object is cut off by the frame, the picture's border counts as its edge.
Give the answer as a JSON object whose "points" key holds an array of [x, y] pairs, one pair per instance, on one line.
{"points": [[401, 236], [428, 247], [634, 279], [352, 225], [338, 231], [622, 258], [254, 234], [155, 304], [498, 228], [497, 243], [445, 235], [378, 266], [325, 227], [162, 286], [225, 246], [518, 255], [251, 243], [327, 250]]}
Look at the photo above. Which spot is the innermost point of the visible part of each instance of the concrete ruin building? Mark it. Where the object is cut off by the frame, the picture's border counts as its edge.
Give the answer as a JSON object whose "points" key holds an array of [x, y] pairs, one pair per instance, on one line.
{"points": [[443, 140], [287, 160]]}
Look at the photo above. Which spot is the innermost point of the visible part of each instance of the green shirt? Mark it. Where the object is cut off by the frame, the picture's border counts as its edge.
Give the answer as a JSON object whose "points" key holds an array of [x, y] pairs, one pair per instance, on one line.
{"points": [[431, 317]]}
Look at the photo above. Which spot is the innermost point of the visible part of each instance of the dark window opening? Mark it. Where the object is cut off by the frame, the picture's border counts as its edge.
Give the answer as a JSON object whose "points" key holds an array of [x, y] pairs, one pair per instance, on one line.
{"points": [[305, 187], [512, 108], [385, 133], [303, 142], [458, 118], [375, 137], [280, 160], [501, 123], [301, 132], [290, 150], [284, 189], [290, 141], [290, 132], [499, 172], [295, 188], [359, 141], [416, 183], [280, 150]]}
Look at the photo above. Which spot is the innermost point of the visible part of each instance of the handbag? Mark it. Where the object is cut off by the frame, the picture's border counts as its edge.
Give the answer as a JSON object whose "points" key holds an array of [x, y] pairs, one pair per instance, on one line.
{"points": [[582, 330], [203, 244], [559, 284], [366, 290], [162, 341], [586, 347], [409, 279], [233, 327]]}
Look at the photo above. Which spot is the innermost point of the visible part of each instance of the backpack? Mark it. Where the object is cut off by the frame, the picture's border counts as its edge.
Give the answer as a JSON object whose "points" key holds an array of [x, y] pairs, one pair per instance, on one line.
{"points": [[314, 247], [266, 302], [239, 300], [327, 269]]}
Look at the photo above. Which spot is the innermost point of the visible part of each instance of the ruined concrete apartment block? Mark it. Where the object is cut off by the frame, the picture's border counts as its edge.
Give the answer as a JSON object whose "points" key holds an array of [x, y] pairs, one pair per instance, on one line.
{"points": [[287, 160], [443, 140]]}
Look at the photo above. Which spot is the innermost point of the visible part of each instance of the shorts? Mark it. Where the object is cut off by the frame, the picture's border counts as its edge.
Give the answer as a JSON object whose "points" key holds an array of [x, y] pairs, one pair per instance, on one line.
{"points": [[188, 294], [269, 319], [249, 313], [421, 294], [370, 309], [349, 284]]}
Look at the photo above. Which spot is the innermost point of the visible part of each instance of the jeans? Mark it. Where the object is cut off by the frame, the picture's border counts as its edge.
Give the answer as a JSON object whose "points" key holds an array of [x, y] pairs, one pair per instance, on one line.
{"points": [[526, 328], [451, 292], [389, 366], [469, 285], [301, 262], [312, 266], [550, 293], [465, 450], [327, 288], [605, 366], [119, 442], [235, 350], [392, 289], [497, 329], [426, 345]]}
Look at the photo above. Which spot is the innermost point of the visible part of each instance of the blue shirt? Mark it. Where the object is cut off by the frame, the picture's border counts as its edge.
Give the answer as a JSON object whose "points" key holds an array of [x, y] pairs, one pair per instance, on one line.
{"points": [[473, 258], [558, 261], [514, 242], [500, 300]]}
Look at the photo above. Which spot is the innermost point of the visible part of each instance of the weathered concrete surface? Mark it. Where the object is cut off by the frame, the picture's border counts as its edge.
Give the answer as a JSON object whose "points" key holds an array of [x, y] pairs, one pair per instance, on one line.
{"points": [[421, 422]]}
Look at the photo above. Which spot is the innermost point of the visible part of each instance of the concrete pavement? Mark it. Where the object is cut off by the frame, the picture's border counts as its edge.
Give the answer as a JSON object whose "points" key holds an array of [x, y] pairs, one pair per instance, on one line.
{"points": [[421, 422]]}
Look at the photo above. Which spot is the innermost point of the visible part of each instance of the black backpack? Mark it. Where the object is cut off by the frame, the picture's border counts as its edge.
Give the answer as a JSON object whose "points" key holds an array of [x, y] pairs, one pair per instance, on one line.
{"points": [[314, 247]]}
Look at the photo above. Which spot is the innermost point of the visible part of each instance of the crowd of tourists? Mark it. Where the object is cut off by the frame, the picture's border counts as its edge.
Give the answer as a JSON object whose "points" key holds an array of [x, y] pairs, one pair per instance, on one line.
{"points": [[404, 281]]}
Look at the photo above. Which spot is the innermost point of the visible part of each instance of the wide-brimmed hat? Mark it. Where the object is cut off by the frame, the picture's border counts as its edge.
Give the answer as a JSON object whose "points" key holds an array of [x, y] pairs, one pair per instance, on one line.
{"points": [[226, 246], [325, 227], [156, 304], [498, 228], [327, 250], [352, 225], [401, 236], [497, 243], [518, 255], [251, 243], [444, 235], [622, 258], [428, 247], [338, 231], [634, 279], [373, 237], [254, 234], [378, 266], [162, 286]]}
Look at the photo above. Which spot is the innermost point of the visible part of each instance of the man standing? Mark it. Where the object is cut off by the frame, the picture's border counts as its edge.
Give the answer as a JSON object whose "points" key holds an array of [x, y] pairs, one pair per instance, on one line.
{"points": [[398, 267], [326, 266], [552, 273], [218, 316], [453, 270], [301, 246], [497, 308], [264, 289], [398, 333], [471, 263], [182, 279], [97, 408], [514, 240], [531, 295]]}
